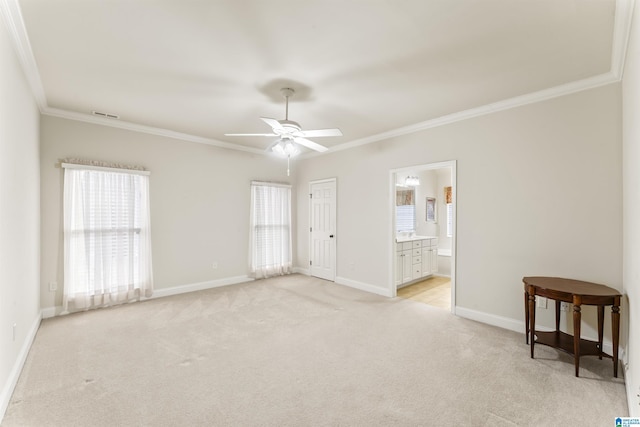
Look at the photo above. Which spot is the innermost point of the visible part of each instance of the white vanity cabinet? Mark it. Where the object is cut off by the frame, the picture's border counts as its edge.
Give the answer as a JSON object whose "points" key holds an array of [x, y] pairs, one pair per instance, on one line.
{"points": [[429, 256], [404, 262], [415, 259]]}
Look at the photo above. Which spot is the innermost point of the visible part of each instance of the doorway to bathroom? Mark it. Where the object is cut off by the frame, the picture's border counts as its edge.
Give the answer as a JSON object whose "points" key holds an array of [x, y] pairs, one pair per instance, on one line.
{"points": [[423, 233]]}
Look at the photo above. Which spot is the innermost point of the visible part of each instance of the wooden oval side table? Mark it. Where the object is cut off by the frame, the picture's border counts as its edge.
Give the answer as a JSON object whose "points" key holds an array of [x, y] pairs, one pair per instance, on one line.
{"points": [[578, 293]]}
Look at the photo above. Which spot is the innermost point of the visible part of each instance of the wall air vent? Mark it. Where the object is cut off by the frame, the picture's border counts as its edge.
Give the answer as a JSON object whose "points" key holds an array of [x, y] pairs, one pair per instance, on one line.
{"points": [[105, 115]]}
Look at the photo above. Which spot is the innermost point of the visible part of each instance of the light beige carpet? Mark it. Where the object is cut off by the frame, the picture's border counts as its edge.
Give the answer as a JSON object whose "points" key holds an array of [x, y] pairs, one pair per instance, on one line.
{"points": [[299, 351]]}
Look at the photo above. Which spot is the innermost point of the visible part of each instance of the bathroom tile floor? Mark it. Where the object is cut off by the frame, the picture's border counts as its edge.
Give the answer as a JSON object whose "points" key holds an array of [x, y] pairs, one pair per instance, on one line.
{"points": [[435, 291]]}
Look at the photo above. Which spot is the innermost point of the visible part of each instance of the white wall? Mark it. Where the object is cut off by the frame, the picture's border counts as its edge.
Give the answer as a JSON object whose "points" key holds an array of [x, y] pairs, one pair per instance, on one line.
{"points": [[538, 193], [199, 200], [19, 218], [631, 211]]}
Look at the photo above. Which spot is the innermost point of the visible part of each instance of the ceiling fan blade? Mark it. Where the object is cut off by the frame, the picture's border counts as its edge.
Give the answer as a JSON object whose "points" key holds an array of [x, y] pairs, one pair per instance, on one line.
{"points": [[272, 122], [321, 132], [310, 144], [250, 134]]}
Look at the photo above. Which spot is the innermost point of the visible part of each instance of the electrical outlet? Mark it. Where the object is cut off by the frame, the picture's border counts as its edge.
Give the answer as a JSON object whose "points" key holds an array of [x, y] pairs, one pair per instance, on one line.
{"points": [[542, 302], [564, 306], [53, 286], [214, 265]]}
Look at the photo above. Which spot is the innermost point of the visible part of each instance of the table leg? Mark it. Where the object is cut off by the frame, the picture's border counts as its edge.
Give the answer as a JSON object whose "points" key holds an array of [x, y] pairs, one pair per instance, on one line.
{"points": [[576, 331], [558, 303], [526, 316], [615, 326], [600, 328], [532, 317]]}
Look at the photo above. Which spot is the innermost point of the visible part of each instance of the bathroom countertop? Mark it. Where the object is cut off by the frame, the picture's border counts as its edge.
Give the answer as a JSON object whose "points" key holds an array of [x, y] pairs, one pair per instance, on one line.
{"points": [[412, 238]]}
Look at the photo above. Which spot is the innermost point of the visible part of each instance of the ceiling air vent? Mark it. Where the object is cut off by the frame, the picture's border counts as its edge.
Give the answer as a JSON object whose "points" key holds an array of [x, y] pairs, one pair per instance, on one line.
{"points": [[105, 115]]}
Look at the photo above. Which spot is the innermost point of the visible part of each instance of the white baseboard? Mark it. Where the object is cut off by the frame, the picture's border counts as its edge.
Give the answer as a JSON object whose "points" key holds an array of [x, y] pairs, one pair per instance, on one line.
{"points": [[518, 326], [165, 292], [12, 380], [51, 311], [177, 290], [363, 286], [490, 319], [631, 404], [300, 270]]}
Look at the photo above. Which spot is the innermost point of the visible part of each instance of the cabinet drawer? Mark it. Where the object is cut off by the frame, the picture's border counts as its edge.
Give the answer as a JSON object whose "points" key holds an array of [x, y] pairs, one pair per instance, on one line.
{"points": [[417, 252], [417, 259], [417, 271], [417, 243], [429, 243]]}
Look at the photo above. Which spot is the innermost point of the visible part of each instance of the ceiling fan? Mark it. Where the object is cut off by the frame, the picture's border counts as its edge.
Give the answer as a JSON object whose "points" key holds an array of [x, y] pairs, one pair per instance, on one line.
{"points": [[290, 132]]}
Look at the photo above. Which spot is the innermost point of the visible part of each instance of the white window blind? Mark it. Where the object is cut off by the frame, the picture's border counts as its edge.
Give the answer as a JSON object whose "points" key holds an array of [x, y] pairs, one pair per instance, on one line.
{"points": [[271, 252], [405, 218], [107, 253]]}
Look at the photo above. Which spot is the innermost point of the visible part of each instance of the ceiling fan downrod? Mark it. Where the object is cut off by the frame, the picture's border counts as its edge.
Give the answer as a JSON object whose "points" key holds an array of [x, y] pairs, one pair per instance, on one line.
{"points": [[287, 92]]}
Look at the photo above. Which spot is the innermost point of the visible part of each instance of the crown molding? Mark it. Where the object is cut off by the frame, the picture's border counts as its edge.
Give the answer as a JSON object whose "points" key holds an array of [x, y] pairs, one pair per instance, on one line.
{"points": [[621, 31], [518, 101], [12, 16], [121, 124], [10, 10]]}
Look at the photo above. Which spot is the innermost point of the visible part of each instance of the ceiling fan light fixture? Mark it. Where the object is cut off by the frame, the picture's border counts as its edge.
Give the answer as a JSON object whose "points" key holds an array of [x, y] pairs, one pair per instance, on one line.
{"points": [[286, 147]]}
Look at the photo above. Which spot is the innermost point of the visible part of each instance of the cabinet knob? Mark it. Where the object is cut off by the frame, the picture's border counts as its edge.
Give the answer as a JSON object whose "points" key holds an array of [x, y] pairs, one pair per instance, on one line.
{"points": [[331, 236]]}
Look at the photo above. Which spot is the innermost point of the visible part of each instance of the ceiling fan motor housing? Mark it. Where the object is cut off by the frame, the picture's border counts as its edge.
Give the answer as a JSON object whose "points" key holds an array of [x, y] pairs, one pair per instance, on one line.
{"points": [[289, 127]]}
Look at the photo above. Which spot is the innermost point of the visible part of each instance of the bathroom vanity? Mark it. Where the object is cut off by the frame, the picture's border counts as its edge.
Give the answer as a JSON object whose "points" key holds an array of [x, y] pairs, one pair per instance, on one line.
{"points": [[416, 258]]}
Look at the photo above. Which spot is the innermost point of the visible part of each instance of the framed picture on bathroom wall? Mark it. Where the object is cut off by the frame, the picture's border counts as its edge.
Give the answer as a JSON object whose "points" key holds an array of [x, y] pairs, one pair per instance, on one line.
{"points": [[431, 209]]}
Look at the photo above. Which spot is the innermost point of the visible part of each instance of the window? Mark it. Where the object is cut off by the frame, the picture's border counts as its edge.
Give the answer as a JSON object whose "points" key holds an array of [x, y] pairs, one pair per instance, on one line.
{"points": [[107, 243], [270, 229], [405, 218], [448, 198]]}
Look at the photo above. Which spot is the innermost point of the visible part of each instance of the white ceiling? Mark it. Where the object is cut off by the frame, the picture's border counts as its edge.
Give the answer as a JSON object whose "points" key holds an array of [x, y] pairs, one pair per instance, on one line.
{"points": [[369, 67]]}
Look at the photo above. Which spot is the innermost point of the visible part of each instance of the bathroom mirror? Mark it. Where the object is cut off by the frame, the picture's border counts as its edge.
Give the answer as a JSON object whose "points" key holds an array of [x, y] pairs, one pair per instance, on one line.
{"points": [[405, 197]]}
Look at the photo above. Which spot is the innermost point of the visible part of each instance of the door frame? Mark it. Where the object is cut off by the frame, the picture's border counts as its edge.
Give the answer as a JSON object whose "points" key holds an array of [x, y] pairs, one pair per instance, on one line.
{"points": [[392, 225], [335, 240]]}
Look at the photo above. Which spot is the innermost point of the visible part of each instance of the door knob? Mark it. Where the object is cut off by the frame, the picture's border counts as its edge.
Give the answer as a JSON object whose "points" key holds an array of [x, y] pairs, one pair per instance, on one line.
{"points": [[331, 236]]}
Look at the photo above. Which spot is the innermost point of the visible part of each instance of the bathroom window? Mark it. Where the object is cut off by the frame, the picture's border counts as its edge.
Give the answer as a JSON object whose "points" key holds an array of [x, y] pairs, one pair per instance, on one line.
{"points": [[405, 218], [405, 210], [448, 198]]}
